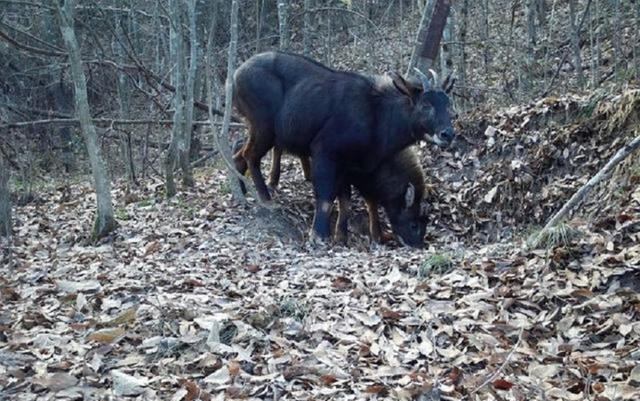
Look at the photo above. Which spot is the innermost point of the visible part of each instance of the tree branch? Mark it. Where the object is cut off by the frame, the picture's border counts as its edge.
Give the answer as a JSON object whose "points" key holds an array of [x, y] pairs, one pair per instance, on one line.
{"points": [[104, 122]]}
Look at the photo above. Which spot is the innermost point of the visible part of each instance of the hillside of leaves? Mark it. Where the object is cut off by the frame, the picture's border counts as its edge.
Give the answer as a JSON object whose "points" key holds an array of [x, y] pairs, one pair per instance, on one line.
{"points": [[201, 298]]}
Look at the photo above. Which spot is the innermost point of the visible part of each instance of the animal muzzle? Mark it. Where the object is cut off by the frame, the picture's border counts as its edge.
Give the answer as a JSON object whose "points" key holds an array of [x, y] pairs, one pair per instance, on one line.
{"points": [[444, 137]]}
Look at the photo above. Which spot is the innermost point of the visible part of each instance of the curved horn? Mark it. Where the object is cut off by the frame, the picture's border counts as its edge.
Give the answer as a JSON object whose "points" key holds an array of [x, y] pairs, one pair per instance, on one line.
{"points": [[434, 76], [426, 83]]}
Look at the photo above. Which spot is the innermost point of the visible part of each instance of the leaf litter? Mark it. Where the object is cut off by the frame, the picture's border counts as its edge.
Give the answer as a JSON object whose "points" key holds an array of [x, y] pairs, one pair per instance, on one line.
{"points": [[198, 298]]}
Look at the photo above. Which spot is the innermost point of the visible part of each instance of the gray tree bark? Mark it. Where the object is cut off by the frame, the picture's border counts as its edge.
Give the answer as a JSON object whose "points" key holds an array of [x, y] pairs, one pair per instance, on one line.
{"points": [[5, 200], [484, 33], [185, 146], [421, 35], [176, 51], [617, 41], [636, 47], [575, 43], [306, 34], [283, 24], [105, 221], [223, 136], [446, 54], [530, 11], [123, 103], [431, 41], [462, 37]]}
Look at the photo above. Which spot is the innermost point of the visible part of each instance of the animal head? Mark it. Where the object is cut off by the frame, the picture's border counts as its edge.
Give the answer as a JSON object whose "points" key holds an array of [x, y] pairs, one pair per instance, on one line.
{"points": [[431, 114], [408, 219]]}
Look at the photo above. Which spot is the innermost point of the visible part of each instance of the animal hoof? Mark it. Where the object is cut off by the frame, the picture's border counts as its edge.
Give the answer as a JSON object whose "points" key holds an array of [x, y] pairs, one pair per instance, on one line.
{"points": [[316, 242], [341, 239], [386, 237]]}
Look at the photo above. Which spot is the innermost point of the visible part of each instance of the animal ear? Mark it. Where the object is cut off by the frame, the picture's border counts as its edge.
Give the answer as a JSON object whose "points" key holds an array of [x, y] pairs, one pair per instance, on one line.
{"points": [[409, 196], [447, 85], [405, 87]]}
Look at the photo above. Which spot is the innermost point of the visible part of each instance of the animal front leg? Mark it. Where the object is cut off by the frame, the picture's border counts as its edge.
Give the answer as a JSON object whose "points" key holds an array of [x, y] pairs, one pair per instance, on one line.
{"points": [[344, 205], [374, 221], [325, 186]]}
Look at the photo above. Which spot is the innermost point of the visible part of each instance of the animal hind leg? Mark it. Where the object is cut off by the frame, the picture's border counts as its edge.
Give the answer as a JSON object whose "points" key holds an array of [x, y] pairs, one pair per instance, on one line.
{"points": [[306, 167], [274, 173], [241, 164], [253, 152]]}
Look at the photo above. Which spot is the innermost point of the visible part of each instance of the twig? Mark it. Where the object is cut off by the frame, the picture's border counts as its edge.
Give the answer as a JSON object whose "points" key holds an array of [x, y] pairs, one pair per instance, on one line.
{"points": [[501, 368]]}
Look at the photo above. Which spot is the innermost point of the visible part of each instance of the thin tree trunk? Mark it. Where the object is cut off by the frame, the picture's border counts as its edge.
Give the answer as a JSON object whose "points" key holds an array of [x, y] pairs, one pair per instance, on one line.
{"points": [[431, 41], [306, 33], [593, 23], [484, 34], [5, 200], [105, 221], [185, 148], [462, 67], [421, 35], [177, 56], [123, 102], [283, 24], [530, 11], [617, 46], [575, 43], [223, 138], [446, 54], [636, 47]]}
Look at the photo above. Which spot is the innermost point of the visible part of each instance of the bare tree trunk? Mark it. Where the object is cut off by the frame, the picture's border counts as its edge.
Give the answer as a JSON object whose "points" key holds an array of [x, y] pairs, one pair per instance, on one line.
{"points": [[105, 221], [5, 200], [223, 135], [484, 34], [462, 37], [123, 101], [176, 50], [306, 40], [185, 148], [636, 47], [598, 54], [530, 11], [283, 24], [575, 43], [431, 41], [421, 35], [617, 46], [446, 55], [260, 23], [550, 39], [593, 23]]}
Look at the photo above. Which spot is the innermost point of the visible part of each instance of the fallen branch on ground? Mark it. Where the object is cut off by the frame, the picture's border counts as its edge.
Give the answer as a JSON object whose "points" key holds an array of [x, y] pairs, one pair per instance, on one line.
{"points": [[622, 154]]}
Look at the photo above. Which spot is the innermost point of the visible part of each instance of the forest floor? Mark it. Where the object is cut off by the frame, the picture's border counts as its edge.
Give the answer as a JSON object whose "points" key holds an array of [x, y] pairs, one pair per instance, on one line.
{"points": [[201, 298]]}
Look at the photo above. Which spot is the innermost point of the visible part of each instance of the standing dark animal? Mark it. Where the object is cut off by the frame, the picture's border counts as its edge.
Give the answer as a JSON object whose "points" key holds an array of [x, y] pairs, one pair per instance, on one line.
{"points": [[347, 123]]}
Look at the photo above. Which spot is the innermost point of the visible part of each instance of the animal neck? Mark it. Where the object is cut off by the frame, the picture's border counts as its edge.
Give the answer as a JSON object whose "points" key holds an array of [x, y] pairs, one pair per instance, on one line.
{"points": [[396, 126]]}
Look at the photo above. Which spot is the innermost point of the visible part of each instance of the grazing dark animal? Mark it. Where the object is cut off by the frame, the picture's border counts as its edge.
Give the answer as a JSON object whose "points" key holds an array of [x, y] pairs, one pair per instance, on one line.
{"points": [[398, 186], [347, 123]]}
